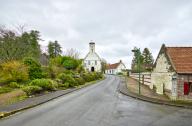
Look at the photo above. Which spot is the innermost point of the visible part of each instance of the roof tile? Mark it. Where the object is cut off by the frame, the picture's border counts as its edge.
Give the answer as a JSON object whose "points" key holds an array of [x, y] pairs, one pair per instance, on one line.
{"points": [[113, 66], [181, 58]]}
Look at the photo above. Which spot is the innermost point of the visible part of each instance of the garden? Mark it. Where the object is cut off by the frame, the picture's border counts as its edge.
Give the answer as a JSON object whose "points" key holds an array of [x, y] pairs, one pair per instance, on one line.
{"points": [[24, 74]]}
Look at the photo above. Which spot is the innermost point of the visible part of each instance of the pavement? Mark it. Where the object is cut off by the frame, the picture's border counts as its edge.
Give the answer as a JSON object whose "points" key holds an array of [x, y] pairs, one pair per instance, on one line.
{"points": [[100, 105], [129, 87], [133, 86]]}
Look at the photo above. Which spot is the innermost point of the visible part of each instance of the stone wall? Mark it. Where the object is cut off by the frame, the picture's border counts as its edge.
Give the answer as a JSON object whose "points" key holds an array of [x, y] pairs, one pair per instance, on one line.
{"points": [[162, 75], [162, 82]]}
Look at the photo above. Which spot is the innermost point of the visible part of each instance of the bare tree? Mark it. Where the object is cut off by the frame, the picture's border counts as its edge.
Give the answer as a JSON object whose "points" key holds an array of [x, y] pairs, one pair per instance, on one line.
{"points": [[72, 53], [20, 29], [103, 65]]}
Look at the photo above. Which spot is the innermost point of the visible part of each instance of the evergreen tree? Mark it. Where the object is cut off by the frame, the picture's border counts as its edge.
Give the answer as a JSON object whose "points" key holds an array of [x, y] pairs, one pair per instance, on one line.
{"points": [[135, 61], [147, 59], [54, 49], [34, 45], [51, 49], [16, 47]]}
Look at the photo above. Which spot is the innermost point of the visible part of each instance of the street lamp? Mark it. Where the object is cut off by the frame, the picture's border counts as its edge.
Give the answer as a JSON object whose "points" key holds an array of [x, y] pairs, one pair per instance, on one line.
{"points": [[138, 55]]}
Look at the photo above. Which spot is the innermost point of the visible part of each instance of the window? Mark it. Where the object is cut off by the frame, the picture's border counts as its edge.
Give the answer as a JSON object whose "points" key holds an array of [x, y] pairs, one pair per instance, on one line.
{"points": [[95, 62], [88, 62]]}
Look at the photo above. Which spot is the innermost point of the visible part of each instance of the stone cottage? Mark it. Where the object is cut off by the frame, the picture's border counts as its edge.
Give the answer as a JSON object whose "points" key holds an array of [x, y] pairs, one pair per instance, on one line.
{"points": [[172, 72], [92, 61], [115, 68]]}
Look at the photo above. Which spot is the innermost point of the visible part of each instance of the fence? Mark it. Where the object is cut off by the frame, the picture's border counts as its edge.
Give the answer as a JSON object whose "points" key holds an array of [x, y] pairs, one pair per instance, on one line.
{"points": [[145, 77]]}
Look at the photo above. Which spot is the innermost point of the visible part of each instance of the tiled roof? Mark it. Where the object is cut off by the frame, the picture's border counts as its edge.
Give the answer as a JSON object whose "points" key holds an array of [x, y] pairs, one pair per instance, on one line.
{"points": [[181, 58], [113, 66]]}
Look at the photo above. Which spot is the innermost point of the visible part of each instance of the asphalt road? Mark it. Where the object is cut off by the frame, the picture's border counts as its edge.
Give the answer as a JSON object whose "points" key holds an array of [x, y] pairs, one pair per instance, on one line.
{"points": [[100, 105]]}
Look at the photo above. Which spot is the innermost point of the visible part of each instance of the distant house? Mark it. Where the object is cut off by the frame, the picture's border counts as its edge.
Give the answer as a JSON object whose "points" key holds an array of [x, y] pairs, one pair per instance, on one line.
{"points": [[92, 61], [115, 68], [172, 72]]}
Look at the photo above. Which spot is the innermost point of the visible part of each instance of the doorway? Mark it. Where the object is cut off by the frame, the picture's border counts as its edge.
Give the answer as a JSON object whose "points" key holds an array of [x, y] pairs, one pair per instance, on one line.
{"points": [[92, 69]]}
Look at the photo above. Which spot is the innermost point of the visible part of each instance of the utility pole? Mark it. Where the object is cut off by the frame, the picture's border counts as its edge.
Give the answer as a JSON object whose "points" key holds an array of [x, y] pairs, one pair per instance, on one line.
{"points": [[138, 54]]}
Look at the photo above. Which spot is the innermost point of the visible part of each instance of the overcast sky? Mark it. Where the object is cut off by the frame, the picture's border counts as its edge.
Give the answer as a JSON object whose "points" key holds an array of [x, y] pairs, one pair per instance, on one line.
{"points": [[116, 26]]}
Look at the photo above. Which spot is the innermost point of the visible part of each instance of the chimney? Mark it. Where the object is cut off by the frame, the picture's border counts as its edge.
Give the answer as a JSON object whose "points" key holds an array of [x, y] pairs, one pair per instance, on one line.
{"points": [[92, 47]]}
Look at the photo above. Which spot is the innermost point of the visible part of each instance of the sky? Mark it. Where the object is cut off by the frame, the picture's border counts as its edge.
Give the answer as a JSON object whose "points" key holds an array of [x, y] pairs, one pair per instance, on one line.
{"points": [[116, 26]]}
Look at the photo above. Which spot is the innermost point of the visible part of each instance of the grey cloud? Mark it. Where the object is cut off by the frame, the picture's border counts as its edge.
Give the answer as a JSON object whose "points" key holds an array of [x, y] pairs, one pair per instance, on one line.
{"points": [[115, 26]]}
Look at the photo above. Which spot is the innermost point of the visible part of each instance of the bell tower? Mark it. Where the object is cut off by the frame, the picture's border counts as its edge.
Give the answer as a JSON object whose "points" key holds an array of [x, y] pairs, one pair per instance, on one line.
{"points": [[92, 47]]}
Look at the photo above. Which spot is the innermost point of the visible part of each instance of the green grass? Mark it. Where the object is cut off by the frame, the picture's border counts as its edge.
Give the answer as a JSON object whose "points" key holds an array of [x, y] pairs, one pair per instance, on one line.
{"points": [[16, 99], [5, 89], [182, 102]]}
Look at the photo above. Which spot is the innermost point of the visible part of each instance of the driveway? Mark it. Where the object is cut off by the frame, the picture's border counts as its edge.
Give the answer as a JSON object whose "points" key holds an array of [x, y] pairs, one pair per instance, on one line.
{"points": [[100, 105]]}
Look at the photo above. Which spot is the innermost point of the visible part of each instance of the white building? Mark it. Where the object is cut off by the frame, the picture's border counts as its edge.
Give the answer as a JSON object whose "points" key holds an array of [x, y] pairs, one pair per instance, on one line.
{"points": [[115, 68], [92, 61]]}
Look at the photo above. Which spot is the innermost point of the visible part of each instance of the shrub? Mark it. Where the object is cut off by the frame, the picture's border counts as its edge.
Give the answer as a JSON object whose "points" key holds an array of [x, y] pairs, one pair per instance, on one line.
{"points": [[13, 71], [70, 63], [56, 61], [67, 78], [34, 68], [63, 77], [45, 71], [80, 81], [80, 69], [120, 73], [54, 71], [46, 84], [71, 81], [30, 90], [86, 77], [65, 85], [99, 75], [14, 85], [69, 72], [91, 76], [59, 81]]}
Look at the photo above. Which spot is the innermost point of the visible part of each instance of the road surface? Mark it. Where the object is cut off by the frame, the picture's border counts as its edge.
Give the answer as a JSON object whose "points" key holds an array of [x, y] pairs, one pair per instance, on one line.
{"points": [[100, 105]]}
